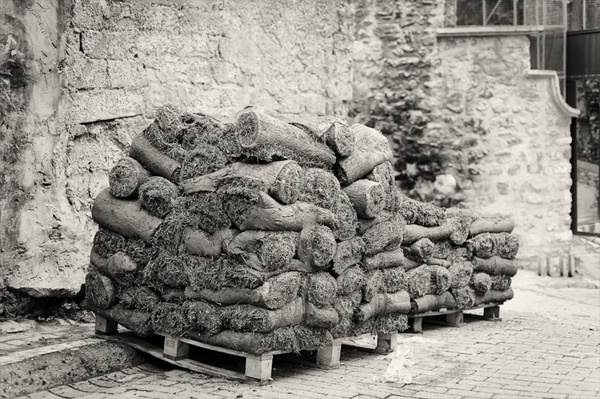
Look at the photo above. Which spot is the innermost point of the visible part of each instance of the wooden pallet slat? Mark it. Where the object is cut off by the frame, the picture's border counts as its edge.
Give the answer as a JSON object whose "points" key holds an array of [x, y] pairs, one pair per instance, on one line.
{"points": [[453, 317], [258, 368]]}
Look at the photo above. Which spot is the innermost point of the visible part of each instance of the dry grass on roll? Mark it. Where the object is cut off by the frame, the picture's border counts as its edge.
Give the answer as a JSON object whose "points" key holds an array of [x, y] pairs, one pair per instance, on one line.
{"points": [[203, 210], [481, 282], [350, 280], [321, 188], [250, 318], [373, 285], [165, 270], [169, 234], [316, 245], [348, 254], [142, 298], [157, 195], [418, 282], [394, 279], [203, 317], [277, 249], [321, 289], [135, 320], [501, 282], [100, 291], [170, 319], [384, 236], [461, 272], [202, 160], [464, 296], [108, 243], [345, 224], [416, 212], [126, 177], [172, 295]]}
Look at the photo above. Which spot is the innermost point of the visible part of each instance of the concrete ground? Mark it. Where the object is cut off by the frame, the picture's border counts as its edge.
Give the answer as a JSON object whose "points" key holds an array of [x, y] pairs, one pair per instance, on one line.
{"points": [[546, 346]]}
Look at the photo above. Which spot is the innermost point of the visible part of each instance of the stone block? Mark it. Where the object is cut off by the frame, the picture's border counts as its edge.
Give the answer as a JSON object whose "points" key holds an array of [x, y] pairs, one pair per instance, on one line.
{"points": [[99, 105]]}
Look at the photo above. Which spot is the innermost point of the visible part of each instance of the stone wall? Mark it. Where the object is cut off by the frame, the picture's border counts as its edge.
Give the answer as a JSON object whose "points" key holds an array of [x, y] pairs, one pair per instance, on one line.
{"points": [[507, 129], [97, 74], [394, 50]]}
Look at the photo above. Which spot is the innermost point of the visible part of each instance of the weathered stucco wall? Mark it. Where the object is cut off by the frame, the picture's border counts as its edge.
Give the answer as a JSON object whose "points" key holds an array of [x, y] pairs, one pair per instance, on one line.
{"points": [[114, 63], [508, 135]]}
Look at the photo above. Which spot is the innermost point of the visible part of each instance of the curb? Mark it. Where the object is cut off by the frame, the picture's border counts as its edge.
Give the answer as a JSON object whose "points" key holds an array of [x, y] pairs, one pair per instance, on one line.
{"points": [[32, 370]]}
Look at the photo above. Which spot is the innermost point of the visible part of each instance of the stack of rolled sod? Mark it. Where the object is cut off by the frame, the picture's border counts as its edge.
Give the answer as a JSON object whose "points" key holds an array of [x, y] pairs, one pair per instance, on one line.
{"points": [[455, 258], [259, 235]]}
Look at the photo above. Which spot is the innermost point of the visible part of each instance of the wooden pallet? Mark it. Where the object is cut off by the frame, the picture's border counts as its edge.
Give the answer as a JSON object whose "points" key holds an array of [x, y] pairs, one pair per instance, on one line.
{"points": [[176, 350], [453, 317]]}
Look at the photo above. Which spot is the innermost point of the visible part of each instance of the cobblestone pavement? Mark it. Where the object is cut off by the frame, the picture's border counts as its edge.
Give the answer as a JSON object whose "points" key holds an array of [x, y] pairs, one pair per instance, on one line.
{"points": [[16, 337], [527, 354]]}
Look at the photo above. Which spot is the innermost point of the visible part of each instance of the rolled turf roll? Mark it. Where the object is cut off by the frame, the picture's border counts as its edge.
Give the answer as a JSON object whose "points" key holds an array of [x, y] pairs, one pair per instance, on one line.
{"points": [[107, 243], [199, 242], [172, 295], [255, 210], [202, 210], [282, 180], [320, 317], [384, 236], [126, 177], [273, 294], [460, 272], [384, 260], [157, 195], [383, 304], [384, 175], [166, 270], [348, 253], [135, 320], [481, 282], [122, 269], [203, 317], [203, 159], [345, 222], [264, 250], [142, 298], [285, 339], [125, 217], [168, 236], [350, 280], [250, 318], [330, 130], [321, 289], [487, 245], [464, 296], [316, 246], [100, 291], [171, 319], [491, 224], [267, 138], [367, 197], [394, 279], [371, 149], [418, 282], [416, 212], [373, 285], [496, 265], [500, 282], [430, 303], [454, 229], [321, 188], [154, 160], [420, 250], [494, 297]]}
